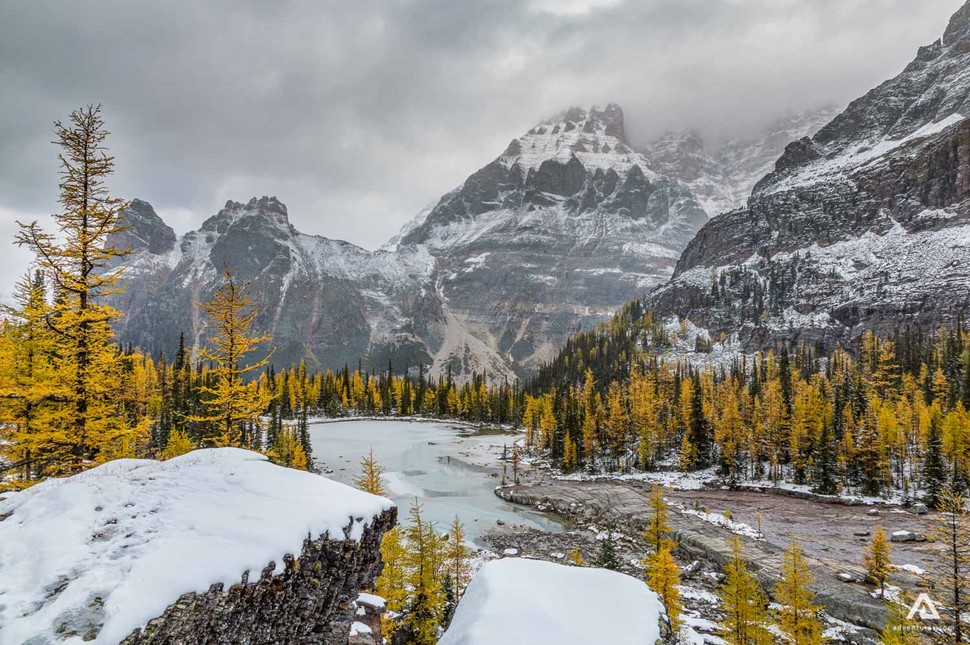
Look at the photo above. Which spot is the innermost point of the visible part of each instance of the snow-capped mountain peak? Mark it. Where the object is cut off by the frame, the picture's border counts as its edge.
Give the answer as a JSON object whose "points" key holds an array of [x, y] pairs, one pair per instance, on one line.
{"points": [[595, 138]]}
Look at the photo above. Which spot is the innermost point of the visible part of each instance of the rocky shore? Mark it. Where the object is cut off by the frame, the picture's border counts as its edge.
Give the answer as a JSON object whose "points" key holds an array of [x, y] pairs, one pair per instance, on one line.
{"points": [[833, 536]]}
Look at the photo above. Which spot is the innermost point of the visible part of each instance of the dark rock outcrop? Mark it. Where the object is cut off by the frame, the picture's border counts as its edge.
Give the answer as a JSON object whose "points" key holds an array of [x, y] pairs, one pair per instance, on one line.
{"points": [[308, 602], [144, 229]]}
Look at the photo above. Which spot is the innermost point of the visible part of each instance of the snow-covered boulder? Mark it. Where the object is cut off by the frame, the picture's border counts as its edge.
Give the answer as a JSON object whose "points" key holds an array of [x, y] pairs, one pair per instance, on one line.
{"points": [[906, 536], [186, 549], [518, 601]]}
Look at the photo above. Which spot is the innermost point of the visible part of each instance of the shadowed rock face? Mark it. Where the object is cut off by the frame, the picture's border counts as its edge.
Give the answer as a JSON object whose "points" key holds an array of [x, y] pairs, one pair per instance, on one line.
{"points": [[308, 602], [864, 226], [145, 230], [549, 239]]}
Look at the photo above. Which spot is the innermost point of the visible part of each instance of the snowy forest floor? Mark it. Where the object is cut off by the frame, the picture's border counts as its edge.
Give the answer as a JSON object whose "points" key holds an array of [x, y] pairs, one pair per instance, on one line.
{"points": [[832, 535]]}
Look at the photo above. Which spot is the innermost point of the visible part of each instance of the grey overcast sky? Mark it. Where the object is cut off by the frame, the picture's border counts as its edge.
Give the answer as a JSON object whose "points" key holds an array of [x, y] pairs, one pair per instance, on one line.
{"points": [[357, 113]]}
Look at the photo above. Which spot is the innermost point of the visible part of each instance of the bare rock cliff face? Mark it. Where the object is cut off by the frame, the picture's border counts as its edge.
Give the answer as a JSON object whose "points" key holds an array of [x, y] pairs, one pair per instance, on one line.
{"points": [[308, 602]]}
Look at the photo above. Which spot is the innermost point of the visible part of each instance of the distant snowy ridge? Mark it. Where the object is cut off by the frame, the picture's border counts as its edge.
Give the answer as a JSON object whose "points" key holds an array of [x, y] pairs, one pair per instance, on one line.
{"points": [[721, 177], [550, 238]]}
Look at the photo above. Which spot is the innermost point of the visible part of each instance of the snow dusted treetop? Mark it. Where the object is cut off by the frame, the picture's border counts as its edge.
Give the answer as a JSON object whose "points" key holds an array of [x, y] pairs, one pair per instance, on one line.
{"points": [[514, 601], [100, 554]]}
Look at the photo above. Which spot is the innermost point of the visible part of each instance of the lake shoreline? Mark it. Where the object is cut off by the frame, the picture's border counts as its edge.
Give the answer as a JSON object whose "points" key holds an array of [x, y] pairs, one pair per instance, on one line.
{"points": [[452, 468], [414, 419]]}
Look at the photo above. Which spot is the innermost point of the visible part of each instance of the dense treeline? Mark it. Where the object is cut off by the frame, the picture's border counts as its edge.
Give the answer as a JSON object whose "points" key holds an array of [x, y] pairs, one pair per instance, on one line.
{"points": [[891, 414], [164, 407]]}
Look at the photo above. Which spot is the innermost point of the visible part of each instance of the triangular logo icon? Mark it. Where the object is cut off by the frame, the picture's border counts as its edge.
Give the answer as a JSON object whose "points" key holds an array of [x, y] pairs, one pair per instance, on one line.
{"points": [[924, 607]]}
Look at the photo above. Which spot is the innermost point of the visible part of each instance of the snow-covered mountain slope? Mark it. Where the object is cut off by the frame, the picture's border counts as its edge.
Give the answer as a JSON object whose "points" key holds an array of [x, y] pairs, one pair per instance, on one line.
{"points": [[864, 226], [721, 177], [552, 237]]}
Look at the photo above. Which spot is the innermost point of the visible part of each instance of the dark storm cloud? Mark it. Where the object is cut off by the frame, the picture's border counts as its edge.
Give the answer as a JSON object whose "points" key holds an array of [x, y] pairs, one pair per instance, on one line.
{"points": [[358, 113]]}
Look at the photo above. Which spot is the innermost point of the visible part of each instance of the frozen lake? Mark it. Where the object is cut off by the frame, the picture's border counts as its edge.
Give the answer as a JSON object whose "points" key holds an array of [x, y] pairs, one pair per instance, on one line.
{"points": [[452, 470]]}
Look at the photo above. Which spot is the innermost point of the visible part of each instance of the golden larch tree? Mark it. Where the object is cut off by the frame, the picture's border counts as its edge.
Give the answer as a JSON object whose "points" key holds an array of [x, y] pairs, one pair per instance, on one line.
{"points": [[457, 556], [877, 561], [576, 557], [798, 615], [658, 527], [369, 479], [81, 262], [392, 583], [177, 445], [426, 595], [232, 400], [743, 602], [287, 450], [663, 577], [32, 394], [950, 575]]}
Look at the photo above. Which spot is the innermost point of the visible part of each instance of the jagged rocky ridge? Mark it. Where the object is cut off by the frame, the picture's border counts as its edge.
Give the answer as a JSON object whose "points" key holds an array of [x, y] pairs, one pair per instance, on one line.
{"points": [[548, 239], [863, 226], [324, 300]]}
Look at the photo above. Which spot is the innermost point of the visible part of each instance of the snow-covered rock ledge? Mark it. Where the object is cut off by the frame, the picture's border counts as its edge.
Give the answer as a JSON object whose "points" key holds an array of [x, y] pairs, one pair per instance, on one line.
{"points": [[214, 546]]}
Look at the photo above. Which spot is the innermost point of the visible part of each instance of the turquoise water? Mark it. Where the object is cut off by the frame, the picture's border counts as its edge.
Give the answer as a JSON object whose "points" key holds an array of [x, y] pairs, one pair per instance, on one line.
{"points": [[450, 470]]}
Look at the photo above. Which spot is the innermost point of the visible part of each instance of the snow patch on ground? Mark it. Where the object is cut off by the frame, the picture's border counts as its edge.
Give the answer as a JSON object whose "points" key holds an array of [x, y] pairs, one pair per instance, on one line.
{"points": [[675, 480], [702, 595], [112, 547], [359, 628], [513, 601], [738, 528], [896, 497]]}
